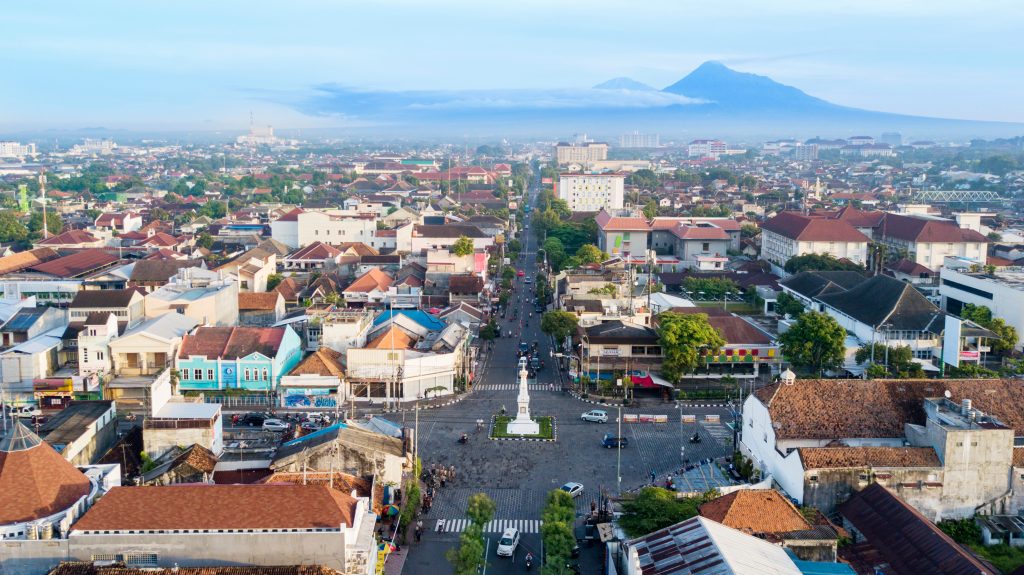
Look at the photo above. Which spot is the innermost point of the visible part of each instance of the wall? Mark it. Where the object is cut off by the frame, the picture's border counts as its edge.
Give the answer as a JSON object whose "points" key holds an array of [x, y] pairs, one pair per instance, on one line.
{"points": [[32, 557], [1006, 302], [213, 549], [156, 442], [976, 463]]}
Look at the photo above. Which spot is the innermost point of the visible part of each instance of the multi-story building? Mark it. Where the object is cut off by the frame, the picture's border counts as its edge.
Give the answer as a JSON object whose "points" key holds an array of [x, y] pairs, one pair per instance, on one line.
{"points": [[299, 228], [592, 192], [929, 241], [199, 294], [707, 149], [580, 153], [966, 282], [638, 140], [16, 149], [622, 234], [789, 234]]}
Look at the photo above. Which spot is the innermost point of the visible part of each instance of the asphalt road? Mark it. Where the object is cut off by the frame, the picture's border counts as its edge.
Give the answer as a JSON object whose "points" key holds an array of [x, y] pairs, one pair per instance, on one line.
{"points": [[517, 475]]}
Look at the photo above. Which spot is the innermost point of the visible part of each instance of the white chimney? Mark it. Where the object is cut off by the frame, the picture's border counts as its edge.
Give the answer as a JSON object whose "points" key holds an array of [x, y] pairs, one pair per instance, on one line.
{"points": [[965, 407]]}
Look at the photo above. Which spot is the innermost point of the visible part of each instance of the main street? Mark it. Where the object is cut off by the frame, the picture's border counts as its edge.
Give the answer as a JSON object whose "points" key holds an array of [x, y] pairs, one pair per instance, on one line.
{"points": [[517, 475]]}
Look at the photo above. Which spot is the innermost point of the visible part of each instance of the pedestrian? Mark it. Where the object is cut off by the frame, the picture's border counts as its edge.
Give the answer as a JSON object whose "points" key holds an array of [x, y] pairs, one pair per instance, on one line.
{"points": [[452, 473], [652, 477], [443, 480]]}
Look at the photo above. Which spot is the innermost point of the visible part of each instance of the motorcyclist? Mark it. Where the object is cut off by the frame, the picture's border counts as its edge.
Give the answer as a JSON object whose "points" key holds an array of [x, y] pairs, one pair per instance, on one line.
{"points": [[464, 438], [529, 560]]}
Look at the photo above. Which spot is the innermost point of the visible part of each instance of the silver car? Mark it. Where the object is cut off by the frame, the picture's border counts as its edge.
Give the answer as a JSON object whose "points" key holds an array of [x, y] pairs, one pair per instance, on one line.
{"points": [[595, 415]]}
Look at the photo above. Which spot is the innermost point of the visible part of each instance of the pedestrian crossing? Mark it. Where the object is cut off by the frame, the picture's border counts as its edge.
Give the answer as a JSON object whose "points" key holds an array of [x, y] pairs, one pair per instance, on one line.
{"points": [[512, 387], [494, 526], [721, 433]]}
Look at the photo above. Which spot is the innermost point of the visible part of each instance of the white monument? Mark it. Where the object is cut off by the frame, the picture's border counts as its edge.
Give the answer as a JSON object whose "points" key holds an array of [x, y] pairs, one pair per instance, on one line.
{"points": [[522, 424]]}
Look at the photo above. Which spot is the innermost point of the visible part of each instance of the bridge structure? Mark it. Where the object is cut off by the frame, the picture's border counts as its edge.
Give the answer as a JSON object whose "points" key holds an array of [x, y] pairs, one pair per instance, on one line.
{"points": [[956, 196]]}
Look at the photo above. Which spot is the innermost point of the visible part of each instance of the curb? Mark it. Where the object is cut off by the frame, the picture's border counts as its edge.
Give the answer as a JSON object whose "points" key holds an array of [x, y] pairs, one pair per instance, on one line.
{"points": [[592, 402], [554, 432]]}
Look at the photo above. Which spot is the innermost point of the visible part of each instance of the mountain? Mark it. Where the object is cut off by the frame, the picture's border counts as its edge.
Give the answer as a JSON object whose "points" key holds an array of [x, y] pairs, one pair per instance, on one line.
{"points": [[735, 91], [623, 83]]}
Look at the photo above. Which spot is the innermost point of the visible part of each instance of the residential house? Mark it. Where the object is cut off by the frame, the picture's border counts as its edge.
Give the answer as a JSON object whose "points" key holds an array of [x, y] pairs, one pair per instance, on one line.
{"points": [[56, 280], [466, 288], [300, 228], [427, 237], [625, 233], [260, 309], [790, 234], [98, 330], [944, 446], [369, 289], [127, 305], [248, 358], [192, 464], [82, 431], [346, 448], [119, 223], [149, 348], [463, 313], [252, 268], [71, 239], [30, 322], [200, 294], [315, 256], [154, 274]]}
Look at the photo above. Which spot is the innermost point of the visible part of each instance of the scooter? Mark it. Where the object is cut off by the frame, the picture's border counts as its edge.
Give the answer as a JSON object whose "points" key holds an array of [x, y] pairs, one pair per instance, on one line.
{"points": [[529, 561], [464, 439], [695, 438]]}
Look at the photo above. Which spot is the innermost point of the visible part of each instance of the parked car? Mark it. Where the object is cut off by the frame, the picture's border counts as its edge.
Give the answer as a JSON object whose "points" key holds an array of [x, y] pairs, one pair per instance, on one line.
{"points": [[22, 410], [275, 425], [508, 542], [573, 489], [528, 281], [520, 273], [595, 415], [611, 441], [310, 426], [252, 419]]}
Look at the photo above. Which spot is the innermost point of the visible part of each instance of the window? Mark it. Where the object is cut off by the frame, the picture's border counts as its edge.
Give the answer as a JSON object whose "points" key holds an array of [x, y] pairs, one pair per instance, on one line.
{"points": [[812, 479], [864, 477], [99, 355], [198, 374], [705, 247], [92, 331], [85, 355], [209, 375], [247, 378]]}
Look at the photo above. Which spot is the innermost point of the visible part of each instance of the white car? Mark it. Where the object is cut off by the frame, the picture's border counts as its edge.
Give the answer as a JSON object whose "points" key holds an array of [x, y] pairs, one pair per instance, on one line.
{"points": [[508, 542], [22, 411], [573, 489], [275, 425], [595, 415]]}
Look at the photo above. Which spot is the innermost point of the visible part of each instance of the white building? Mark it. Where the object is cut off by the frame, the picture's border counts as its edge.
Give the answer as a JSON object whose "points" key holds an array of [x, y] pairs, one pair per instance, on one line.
{"points": [[929, 240], [94, 343], [707, 149], [580, 153], [16, 149], [299, 228], [790, 234], [1002, 291], [592, 192]]}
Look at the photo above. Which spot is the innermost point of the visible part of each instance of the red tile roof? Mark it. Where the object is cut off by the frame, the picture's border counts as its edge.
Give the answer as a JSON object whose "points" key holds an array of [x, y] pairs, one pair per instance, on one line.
{"points": [[324, 361], [316, 251], [811, 229], [76, 264], [371, 280], [264, 301], [232, 342], [926, 230], [70, 237], [755, 511], [196, 506], [609, 223], [24, 260], [687, 232], [859, 457], [292, 216]]}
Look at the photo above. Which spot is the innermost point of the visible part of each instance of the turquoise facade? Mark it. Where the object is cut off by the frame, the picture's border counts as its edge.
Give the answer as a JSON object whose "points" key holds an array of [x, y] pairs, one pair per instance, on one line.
{"points": [[253, 372]]}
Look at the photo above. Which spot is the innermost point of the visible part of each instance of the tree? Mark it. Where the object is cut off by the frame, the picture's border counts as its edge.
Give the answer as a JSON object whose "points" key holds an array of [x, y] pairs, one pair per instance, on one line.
{"points": [[559, 516], [273, 280], [489, 331], [468, 557], [816, 342], [463, 246], [480, 509], [555, 252], [819, 262], [651, 209], [655, 508], [786, 304], [204, 240], [11, 228], [682, 338], [749, 230], [900, 358], [590, 254], [559, 324], [54, 224]]}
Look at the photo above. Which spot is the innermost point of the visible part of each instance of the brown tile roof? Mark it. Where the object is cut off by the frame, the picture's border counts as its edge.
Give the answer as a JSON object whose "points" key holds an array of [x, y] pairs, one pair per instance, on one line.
{"points": [[687, 232], [316, 251], [799, 227], [324, 361], [904, 538], [856, 457], [199, 506], [292, 216], [924, 230], [609, 223], [107, 298], [849, 408], [344, 482], [35, 480], [264, 301], [232, 342], [391, 338], [290, 288], [371, 280], [76, 264], [465, 284], [23, 260], [159, 270], [359, 248], [860, 218], [69, 237], [89, 568], [755, 511]]}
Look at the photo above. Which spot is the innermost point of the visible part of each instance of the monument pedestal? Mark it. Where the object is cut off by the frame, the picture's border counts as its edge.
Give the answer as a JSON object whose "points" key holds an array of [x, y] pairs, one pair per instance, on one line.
{"points": [[522, 424]]}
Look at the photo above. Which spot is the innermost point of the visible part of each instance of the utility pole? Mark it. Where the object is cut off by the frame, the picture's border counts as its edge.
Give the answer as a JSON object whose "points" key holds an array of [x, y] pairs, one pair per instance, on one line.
{"points": [[416, 437], [618, 464], [42, 197]]}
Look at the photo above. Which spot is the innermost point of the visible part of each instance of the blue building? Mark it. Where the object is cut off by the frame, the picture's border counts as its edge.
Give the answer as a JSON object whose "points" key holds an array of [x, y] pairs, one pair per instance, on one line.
{"points": [[250, 358]]}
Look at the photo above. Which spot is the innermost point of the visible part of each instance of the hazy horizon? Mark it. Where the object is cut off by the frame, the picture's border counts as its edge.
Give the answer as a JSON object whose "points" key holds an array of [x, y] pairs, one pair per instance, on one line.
{"points": [[193, 66]]}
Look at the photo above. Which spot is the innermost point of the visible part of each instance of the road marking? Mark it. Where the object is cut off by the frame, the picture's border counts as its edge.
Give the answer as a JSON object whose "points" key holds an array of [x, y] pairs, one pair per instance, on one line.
{"points": [[496, 525]]}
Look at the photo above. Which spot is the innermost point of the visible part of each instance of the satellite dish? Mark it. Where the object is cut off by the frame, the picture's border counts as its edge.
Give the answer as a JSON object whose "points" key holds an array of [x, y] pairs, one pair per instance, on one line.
{"points": [[947, 394]]}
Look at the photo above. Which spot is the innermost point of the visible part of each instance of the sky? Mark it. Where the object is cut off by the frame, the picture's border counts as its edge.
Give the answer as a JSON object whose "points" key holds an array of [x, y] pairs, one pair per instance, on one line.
{"points": [[201, 65]]}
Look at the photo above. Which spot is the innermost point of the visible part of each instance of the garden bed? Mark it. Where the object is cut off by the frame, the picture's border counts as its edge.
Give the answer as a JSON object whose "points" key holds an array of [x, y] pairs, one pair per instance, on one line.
{"points": [[499, 429]]}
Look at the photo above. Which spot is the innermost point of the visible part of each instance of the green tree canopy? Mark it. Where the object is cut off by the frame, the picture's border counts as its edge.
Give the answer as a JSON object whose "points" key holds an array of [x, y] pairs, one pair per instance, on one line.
{"points": [[11, 228], [468, 557], [655, 508], [463, 246], [713, 288], [559, 324], [555, 252], [982, 315], [787, 304], [480, 509], [819, 262], [682, 336], [900, 358], [558, 515], [590, 254], [54, 224], [816, 342]]}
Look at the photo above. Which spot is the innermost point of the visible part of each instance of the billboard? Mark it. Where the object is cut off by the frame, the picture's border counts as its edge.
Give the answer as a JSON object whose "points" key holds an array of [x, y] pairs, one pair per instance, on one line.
{"points": [[951, 341]]}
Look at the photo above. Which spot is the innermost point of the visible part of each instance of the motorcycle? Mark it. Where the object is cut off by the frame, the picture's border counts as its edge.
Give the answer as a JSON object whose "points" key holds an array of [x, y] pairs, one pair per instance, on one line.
{"points": [[529, 561], [695, 438], [464, 438]]}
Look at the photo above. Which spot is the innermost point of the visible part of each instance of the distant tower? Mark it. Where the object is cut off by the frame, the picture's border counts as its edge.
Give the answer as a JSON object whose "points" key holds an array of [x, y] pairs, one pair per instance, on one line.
{"points": [[42, 197]]}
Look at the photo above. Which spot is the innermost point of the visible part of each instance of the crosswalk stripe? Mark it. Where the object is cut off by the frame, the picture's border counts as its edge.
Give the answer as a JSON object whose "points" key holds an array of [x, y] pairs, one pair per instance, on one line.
{"points": [[496, 525]]}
